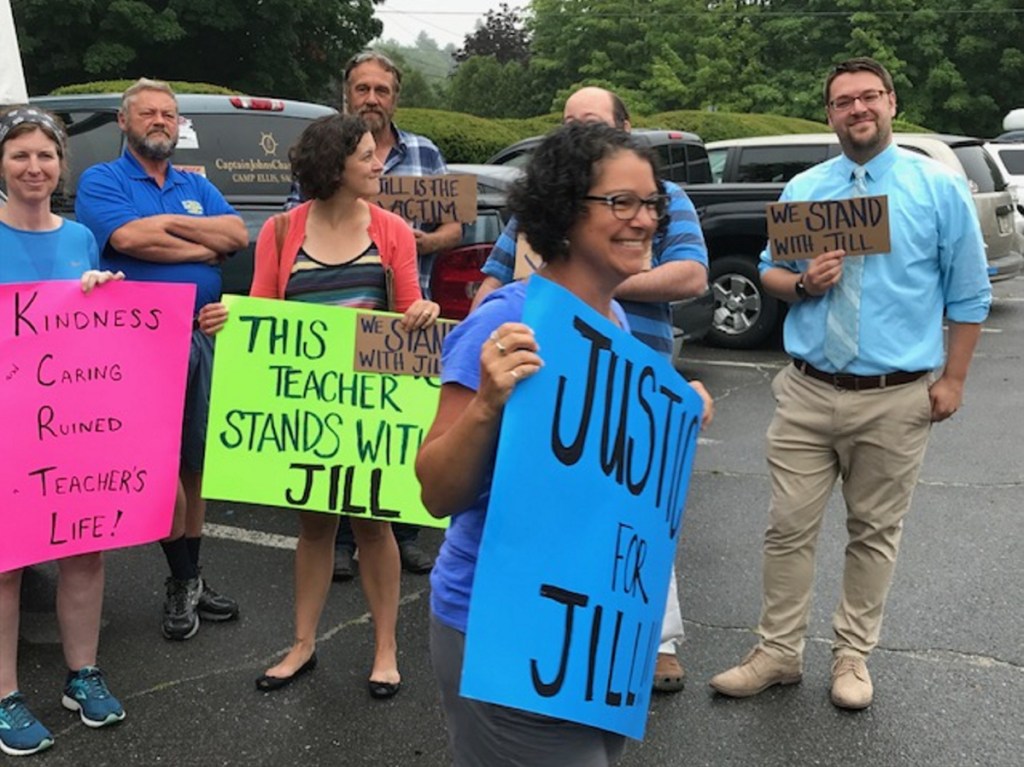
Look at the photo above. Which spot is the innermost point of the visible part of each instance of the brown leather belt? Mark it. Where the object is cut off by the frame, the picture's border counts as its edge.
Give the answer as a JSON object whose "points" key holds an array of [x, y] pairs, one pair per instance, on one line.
{"points": [[850, 382]]}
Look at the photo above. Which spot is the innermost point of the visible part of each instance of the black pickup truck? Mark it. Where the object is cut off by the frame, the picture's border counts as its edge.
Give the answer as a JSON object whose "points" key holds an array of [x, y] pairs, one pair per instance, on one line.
{"points": [[735, 227]]}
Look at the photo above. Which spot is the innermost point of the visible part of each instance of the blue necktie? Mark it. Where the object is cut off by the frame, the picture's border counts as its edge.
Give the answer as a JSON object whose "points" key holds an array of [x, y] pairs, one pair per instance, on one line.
{"points": [[842, 326]]}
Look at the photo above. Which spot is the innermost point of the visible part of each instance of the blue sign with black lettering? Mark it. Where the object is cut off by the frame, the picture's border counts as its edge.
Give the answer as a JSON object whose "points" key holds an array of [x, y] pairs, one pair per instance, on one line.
{"points": [[590, 481]]}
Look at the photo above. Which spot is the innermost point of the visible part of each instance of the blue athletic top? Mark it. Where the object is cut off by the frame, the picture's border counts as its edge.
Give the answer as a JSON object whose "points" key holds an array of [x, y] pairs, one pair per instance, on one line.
{"points": [[57, 254]]}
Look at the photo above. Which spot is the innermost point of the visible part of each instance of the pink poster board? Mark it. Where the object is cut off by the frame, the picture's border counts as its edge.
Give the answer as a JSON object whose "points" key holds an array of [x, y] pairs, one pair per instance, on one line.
{"points": [[91, 397]]}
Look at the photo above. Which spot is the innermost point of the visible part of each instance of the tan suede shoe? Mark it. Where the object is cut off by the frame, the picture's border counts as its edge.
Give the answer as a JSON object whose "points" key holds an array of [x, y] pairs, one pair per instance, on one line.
{"points": [[851, 682], [756, 673]]}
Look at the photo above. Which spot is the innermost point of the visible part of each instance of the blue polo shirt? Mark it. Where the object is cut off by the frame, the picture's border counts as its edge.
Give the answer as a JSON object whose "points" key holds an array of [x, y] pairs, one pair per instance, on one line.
{"points": [[116, 193]]}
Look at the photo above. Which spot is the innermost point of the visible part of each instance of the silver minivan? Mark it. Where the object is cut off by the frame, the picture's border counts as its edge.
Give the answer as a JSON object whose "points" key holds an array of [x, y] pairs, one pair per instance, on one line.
{"points": [[779, 158]]}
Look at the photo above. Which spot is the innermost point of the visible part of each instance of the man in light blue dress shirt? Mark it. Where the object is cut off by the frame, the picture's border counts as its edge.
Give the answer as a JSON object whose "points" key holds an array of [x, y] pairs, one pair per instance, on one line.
{"points": [[868, 379]]}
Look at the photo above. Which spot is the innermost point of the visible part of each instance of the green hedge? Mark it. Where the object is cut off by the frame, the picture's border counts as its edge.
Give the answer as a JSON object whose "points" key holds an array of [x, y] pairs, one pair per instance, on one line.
{"points": [[465, 138], [714, 126], [461, 137], [468, 139]]}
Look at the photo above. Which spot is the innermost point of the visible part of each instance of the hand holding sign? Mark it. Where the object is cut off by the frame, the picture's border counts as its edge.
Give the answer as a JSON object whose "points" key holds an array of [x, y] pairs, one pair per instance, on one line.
{"points": [[508, 357], [823, 272], [93, 389], [612, 426], [858, 225], [292, 402]]}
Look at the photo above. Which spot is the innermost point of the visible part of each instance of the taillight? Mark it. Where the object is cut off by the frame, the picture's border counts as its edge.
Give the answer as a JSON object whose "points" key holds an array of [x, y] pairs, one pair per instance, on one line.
{"points": [[456, 278], [264, 105]]}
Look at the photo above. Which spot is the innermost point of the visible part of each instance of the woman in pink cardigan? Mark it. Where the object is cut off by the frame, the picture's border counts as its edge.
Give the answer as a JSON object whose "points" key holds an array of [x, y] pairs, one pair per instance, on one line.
{"points": [[342, 250]]}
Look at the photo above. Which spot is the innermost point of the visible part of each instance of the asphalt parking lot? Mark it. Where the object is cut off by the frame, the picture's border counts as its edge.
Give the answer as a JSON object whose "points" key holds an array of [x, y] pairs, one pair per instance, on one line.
{"points": [[949, 672]]}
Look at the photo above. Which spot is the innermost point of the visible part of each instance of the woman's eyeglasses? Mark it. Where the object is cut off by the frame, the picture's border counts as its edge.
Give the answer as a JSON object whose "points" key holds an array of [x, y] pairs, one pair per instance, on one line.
{"points": [[625, 206]]}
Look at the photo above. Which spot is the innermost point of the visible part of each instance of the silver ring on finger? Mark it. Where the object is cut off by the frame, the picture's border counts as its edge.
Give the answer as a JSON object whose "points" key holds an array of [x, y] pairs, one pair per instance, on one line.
{"points": [[500, 345], [514, 374]]}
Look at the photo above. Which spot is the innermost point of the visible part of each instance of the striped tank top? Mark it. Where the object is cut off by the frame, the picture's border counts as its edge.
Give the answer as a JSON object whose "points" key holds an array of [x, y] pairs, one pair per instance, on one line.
{"points": [[359, 284]]}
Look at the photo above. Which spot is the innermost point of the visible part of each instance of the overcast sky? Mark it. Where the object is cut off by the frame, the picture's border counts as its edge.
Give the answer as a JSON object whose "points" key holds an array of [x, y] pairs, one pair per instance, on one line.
{"points": [[447, 21]]}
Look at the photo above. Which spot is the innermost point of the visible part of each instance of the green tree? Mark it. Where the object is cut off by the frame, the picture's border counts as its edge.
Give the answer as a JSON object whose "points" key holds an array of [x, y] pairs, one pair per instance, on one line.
{"points": [[956, 67], [483, 86], [287, 48], [502, 35]]}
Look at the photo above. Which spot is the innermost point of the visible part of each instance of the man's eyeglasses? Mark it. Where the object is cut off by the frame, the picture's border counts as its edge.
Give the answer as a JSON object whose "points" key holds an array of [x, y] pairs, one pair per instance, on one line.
{"points": [[625, 206], [845, 103]]}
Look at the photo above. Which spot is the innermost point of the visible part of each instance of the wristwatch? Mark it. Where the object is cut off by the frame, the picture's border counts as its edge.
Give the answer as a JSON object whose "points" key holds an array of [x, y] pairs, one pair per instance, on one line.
{"points": [[801, 289]]}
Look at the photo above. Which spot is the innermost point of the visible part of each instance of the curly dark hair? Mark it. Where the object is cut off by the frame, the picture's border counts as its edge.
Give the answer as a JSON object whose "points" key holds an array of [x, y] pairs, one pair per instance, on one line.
{"points": [[548, 199], [318, 157]]}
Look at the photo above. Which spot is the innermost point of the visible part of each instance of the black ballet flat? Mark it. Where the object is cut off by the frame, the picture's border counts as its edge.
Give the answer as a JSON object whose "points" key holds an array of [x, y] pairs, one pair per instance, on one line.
{"points": [[267, 683], [383, 690]]}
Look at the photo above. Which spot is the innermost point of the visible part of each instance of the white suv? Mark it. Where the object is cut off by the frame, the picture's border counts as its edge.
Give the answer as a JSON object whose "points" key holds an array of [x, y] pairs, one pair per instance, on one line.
{"points": [[1009, 156], [779, 158]]}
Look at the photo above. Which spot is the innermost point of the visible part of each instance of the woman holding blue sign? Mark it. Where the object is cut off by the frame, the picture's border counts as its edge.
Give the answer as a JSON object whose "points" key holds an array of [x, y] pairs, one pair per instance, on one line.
{"points": [[339, 249], [590, 205], [36, 245]]}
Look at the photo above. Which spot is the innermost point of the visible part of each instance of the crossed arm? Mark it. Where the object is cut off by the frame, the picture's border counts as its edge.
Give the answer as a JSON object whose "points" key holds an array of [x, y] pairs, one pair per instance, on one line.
{"points": [[174, 238]]}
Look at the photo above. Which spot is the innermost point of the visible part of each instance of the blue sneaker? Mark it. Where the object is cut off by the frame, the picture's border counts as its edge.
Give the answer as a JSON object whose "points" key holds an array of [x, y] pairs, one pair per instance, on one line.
{"points": [[86, 692], [21, 733]]}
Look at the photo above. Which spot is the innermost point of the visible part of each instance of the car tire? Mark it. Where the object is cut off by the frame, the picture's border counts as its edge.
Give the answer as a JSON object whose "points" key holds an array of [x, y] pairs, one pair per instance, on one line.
{"points": [[745, 316]]}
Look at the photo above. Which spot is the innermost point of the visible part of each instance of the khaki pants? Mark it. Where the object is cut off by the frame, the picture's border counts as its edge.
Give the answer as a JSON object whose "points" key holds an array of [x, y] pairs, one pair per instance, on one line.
{"points": [[875, 440]]}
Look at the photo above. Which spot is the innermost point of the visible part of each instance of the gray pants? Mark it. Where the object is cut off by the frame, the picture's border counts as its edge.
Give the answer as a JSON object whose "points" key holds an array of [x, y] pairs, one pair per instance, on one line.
{"points": [[487, 735]]}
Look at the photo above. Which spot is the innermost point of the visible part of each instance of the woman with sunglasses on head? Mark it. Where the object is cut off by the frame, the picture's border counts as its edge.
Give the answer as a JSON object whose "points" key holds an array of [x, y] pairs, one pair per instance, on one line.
{"points": [[36, 244], [589, 204], [341, 249]]}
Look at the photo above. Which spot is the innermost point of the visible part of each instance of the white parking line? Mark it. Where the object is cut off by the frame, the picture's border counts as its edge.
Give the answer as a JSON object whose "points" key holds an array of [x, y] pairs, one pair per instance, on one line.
{"points": [[736, 363], [255, 537]]}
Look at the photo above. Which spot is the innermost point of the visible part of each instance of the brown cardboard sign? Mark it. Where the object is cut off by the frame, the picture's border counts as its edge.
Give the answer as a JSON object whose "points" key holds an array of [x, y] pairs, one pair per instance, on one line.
{"points": [[527, 261], [430, 199], [382, 346], [858, 225]]}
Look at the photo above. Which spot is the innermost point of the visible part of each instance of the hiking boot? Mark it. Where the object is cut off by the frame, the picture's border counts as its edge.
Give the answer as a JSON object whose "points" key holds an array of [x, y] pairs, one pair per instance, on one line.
{"points": [[86, 692], [215, 607], [180, 618], [415, 559], [21, 733], [756, 673], [851, 682]]}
